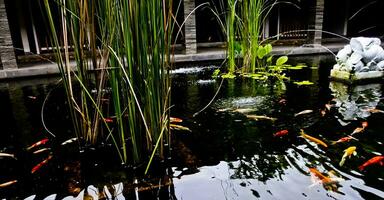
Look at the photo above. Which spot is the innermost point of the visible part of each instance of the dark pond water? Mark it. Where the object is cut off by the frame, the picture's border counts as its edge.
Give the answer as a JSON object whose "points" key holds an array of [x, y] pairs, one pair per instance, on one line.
{"points": [[227, 155]]}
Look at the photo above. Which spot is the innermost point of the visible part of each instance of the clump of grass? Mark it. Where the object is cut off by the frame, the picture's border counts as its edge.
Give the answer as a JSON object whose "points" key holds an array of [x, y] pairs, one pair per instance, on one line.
{"points": [[127, 43], [252, 19]]}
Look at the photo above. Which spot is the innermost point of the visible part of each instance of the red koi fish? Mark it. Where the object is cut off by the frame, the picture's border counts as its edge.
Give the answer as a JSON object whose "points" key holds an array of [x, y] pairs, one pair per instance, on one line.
{"points": [[280, 133], [41, 142], [175, 120], [344, 139], [6, 184], [108, 120], [374, 160], [42, 163]]}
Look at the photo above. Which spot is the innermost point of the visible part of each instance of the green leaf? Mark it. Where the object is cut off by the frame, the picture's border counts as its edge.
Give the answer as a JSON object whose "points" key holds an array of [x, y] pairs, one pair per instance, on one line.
{"points": [[297, 67], [261, 52], [216, 73], [228, 75], [268, 48], [256, 75], [269, 59], [281, 60], [238, 48], [303, 82]]}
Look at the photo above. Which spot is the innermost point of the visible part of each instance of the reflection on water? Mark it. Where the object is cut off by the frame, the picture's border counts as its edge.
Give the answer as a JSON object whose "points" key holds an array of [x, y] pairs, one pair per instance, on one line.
{"points": [[240, 159], [355, 101], [192, 70]]}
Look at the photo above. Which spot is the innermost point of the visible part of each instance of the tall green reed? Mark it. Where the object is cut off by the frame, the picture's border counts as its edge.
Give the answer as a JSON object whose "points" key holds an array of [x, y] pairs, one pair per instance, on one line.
{"points": [[251, 16], [244, 27], [127, 43], [231, 35]]}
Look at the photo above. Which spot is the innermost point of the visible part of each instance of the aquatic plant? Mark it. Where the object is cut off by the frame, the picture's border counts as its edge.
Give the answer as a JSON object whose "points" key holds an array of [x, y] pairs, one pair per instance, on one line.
{"points": [[243, 21], [127, 45], [243, 29]]}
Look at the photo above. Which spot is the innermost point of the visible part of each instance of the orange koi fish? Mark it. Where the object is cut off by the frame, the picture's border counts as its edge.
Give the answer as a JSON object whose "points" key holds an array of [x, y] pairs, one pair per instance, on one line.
{"points": [[344, 139], [313, 139], [329, 182], [374, 160], [175, 120], [6, 184], [360, 129], [41, 142], [319, 175], [42, 163], [280, 133], [357, 130]]}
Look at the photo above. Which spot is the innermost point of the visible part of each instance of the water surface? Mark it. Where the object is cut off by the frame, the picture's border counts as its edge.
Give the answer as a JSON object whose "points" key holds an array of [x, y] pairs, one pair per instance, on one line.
{"points": [[226, 156]]}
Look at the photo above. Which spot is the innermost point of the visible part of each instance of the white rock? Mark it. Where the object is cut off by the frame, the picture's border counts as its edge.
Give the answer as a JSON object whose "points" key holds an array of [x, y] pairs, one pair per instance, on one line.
{"points": [[372, 53], [93, 192], [51, 197], [344, 54], [380, 66]]}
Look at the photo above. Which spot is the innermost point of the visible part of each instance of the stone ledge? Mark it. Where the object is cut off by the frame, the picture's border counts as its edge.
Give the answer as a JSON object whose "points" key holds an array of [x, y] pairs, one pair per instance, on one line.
{"points": [[345, 76], [39, 69]]}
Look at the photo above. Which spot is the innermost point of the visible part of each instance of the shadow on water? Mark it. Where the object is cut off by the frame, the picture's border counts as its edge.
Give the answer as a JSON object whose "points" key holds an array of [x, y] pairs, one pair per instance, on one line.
{"points": [[228, 154]]}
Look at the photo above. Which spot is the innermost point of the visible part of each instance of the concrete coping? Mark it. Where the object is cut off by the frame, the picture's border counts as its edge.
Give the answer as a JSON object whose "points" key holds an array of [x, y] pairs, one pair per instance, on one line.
{"points": [[38, 69]]}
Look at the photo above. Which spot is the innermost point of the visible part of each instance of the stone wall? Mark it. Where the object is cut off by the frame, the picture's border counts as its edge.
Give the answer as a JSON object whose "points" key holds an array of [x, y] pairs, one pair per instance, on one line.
{"points": [[316, 22], [7, 53], [190, 27]]}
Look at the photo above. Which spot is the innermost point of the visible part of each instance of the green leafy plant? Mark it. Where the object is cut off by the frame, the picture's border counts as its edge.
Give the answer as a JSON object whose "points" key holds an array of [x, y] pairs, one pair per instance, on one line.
{"points": [[303, 82]]}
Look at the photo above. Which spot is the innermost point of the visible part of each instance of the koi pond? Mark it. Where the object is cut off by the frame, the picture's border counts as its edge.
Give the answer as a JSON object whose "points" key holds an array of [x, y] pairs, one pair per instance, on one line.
{"points": [[254, 141]]}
